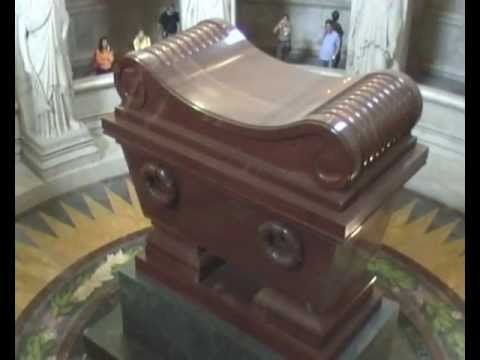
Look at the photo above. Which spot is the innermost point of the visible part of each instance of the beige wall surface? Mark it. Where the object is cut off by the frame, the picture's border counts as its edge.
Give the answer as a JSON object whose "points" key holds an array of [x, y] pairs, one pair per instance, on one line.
{"points": [[436, 46]]}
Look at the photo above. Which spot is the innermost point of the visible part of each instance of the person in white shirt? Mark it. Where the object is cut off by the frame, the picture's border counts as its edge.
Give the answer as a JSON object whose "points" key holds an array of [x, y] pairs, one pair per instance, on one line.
{"points": [[330, 45], [141, 41]]}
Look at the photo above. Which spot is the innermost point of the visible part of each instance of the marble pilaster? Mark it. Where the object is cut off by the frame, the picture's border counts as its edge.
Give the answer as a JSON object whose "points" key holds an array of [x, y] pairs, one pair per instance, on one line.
{"points": [[404, 40], [18, 138]]}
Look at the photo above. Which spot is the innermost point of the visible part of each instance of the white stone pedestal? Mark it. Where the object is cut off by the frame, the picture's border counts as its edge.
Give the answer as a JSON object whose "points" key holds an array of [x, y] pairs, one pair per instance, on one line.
{"points": [[50, 157], [30, 190]]}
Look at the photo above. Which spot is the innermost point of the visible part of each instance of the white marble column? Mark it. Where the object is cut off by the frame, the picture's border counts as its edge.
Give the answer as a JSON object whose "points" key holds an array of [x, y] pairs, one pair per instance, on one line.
{"points": [[378, 36], [53, 141], [404, 38], [194, 11]]}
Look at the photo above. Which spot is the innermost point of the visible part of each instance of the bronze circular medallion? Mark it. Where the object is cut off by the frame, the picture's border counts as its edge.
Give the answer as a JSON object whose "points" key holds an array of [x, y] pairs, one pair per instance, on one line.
{"points": [[160, 184], [281, 245]]}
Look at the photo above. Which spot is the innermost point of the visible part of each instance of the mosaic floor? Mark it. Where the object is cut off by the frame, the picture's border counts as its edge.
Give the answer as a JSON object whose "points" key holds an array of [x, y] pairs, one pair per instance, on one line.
{"points": [[68, 248]]}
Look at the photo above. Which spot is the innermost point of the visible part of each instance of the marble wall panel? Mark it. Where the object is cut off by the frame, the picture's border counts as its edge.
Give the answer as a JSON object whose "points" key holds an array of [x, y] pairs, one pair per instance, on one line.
{"points": [[441, 46]]}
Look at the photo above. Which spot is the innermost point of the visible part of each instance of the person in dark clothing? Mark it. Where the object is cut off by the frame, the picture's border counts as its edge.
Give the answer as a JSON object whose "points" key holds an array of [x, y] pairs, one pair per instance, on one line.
{"points": [[338, 28], [169, 20]]}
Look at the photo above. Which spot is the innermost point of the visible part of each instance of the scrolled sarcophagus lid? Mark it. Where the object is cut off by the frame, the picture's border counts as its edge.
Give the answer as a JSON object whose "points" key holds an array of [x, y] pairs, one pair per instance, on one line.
{"points": [[214, 69]]}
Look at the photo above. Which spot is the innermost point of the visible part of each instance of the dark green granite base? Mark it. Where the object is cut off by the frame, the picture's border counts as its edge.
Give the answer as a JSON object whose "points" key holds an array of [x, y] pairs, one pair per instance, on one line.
{"points": [[169, 325], [172, 328], [105, 341], [374, 341]]}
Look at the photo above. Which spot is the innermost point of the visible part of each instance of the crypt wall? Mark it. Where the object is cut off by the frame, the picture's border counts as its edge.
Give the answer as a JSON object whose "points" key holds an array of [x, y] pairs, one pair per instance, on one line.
{"points": [[117, 19], [256, 18], [437, 41]]}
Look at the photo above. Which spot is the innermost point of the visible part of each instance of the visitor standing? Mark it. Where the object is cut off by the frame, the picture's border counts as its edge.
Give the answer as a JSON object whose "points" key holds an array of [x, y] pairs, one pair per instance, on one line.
{"points": [[330, 45], [169, 20], [141, 41], [283, 31], [103, 56], [338, 28]]}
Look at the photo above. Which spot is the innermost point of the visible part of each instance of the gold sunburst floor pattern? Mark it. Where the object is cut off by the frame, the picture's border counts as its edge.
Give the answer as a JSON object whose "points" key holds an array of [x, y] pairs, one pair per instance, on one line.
{"points": [[47, 255], [52, 237], [436, 248]]}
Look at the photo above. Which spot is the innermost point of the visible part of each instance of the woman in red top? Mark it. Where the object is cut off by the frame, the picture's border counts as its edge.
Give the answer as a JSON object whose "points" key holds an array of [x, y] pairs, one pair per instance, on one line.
{"points": [[103, 56]]}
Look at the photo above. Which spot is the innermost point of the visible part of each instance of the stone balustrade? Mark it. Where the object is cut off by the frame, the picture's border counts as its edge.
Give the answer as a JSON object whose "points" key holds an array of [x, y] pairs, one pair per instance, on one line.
{"points": [[94, 97]]}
